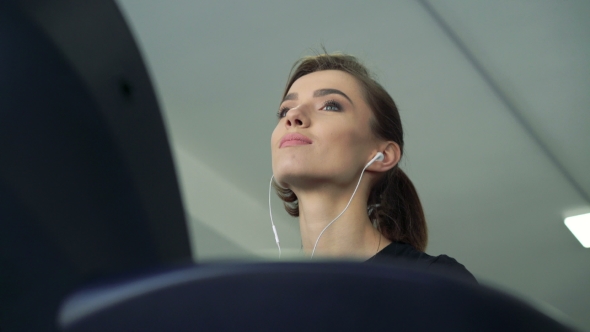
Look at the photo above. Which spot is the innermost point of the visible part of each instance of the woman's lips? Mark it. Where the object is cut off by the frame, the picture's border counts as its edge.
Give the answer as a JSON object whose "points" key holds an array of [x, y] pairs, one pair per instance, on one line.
{"points": [[293, 139]]}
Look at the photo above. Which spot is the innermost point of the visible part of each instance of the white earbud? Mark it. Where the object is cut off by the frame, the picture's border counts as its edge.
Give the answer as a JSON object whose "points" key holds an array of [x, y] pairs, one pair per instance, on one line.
{"points": [[378, 157]]}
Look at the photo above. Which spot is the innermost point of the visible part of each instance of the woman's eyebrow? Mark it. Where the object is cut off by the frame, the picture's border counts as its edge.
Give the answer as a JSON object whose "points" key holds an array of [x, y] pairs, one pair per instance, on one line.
{"points": [[318, 93], [325, 92], [291, 96]]}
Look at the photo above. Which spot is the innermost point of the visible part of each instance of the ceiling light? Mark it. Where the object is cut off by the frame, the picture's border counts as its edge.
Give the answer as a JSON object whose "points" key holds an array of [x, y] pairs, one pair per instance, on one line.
{"points": [[580, 226]]}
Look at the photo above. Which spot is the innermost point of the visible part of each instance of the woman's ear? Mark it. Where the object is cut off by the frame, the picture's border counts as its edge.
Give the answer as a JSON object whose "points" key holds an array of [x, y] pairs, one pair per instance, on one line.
{"points": [[391, 156]]}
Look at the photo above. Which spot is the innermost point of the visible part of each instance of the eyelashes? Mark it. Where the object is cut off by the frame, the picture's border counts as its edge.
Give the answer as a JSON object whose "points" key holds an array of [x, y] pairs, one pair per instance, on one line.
{"points": [[328, 105], [332, 105], [282, 112]]}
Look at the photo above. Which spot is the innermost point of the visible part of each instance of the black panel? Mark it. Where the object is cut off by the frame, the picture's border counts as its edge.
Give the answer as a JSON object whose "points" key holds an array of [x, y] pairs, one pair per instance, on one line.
{"points": [[87, 183]]}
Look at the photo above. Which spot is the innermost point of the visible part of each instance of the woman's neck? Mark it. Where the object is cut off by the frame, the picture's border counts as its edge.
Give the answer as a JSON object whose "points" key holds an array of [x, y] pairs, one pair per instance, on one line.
{"points": [[351, 235]]}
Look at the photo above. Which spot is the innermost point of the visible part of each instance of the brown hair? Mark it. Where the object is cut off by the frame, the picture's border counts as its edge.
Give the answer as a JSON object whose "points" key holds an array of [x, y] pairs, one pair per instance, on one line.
{"points": [[393, 204]]}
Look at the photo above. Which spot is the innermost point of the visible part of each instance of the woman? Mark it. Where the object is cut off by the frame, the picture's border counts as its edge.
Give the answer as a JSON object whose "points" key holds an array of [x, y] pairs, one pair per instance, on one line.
{"points": [[335, 156]]}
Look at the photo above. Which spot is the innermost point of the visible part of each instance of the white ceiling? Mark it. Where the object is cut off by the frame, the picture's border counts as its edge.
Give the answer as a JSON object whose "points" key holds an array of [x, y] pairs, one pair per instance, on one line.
{"points": [[494, 98]]}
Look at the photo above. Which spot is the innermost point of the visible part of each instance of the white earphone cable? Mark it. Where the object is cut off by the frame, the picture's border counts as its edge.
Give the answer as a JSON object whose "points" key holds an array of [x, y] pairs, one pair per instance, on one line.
{"points": [[350, 200], [274, 229], [379, 156]]}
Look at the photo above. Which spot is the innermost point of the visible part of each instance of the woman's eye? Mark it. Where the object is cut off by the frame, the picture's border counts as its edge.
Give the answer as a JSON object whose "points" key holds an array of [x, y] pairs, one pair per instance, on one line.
{"points": [[331, 105], [282, 112]]}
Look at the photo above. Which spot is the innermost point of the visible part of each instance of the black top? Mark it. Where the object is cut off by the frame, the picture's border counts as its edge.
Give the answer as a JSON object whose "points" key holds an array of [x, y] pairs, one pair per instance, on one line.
{"points": [[403, 254]]}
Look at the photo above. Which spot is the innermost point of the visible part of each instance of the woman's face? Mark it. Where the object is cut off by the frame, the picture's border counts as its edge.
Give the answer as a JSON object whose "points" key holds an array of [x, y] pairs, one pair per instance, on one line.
{"points": [[323, 134]]}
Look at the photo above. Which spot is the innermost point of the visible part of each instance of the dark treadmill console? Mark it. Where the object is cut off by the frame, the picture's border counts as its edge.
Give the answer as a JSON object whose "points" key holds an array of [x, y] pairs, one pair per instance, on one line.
{"points": [[87, 183]]}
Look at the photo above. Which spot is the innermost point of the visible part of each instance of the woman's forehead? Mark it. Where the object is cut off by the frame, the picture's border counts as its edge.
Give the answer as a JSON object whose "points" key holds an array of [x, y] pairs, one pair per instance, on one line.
{"points": [[327, 79]]}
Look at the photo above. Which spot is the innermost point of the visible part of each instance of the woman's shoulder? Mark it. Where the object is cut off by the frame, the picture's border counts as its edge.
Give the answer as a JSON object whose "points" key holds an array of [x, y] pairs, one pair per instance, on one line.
{"points": [[404, 255]]}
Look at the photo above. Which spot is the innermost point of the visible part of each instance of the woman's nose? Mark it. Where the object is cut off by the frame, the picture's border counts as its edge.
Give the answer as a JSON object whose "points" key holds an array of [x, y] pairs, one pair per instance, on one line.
{"points": [[296, 117]]}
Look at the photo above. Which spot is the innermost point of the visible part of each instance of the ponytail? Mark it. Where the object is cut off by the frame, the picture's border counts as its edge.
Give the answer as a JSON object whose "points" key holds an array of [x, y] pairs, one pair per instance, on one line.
{"points": [[394, 206], [290, 201]]}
